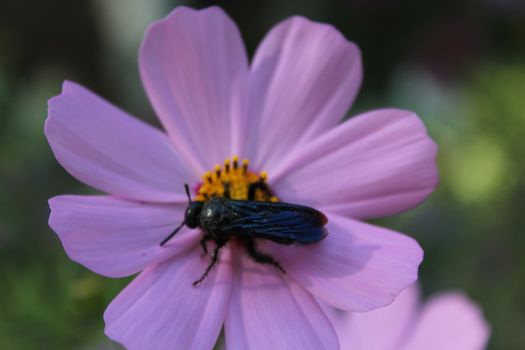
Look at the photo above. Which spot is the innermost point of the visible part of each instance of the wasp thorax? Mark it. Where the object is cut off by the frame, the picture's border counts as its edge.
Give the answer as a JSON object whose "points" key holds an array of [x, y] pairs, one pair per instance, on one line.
{"points": [[235, 181]]}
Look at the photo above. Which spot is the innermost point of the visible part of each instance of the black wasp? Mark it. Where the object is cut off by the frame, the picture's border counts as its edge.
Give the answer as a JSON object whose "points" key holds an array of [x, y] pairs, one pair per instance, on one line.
{"points": [[221, 219]]}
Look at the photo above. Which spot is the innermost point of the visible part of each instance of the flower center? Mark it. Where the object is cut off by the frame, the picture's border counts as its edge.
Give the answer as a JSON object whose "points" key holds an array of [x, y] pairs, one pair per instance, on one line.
{"points": [[233, 180]]}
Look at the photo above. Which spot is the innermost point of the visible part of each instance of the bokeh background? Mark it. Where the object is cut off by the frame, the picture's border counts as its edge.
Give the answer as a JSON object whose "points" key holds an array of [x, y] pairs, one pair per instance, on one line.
{"points": [[459, 64]]}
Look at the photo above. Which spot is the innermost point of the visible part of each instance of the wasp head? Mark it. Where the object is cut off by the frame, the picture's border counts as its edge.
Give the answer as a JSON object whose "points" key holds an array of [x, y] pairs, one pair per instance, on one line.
{"points": [[193, 213]]}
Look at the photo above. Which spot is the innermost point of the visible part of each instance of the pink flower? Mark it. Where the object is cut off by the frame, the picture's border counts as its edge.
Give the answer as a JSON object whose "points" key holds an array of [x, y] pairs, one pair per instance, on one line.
{"points": [[447, 321], [282, 113]]}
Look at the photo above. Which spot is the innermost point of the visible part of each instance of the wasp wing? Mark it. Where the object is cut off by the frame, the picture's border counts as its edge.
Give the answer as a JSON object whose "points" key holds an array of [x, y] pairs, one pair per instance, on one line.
{"points": [[279, 222]]}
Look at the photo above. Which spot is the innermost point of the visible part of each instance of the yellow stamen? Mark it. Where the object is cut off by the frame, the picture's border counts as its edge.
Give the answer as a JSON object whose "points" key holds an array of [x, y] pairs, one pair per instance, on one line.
{"points": [[218, 171], [235, 182], [235, 162]]}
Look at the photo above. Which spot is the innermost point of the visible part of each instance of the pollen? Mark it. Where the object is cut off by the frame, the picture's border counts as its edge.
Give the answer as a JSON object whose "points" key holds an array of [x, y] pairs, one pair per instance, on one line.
{"points": [[234, 180]]}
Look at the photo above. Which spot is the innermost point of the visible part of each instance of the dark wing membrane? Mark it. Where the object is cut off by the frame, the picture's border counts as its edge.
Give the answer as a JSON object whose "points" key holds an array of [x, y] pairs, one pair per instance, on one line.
{"points": [[280, 222]]}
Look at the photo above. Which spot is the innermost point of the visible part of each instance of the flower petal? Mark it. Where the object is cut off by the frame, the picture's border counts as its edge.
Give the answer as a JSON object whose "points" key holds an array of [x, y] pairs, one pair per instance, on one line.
{"points": [[304, 77], [449, 321], [359, 331], [269, 311], [108, 149], [161, 309], [114, 237], [190, 63], [357, 267], [376, 164]]}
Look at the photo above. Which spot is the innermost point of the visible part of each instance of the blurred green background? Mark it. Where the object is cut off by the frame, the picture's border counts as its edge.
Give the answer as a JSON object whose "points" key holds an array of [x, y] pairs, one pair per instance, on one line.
{"points": [[459, 64]]}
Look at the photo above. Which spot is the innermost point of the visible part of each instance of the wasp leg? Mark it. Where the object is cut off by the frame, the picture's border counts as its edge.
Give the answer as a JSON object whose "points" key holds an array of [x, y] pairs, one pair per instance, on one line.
{"points": [[203, 241], [260, 257], [214, 257], [259, 185]]}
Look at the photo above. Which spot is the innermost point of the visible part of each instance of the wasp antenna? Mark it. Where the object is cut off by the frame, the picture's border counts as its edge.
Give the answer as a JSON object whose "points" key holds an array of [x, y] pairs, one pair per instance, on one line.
{"points": [[187, 188], [165, 240]]}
